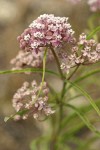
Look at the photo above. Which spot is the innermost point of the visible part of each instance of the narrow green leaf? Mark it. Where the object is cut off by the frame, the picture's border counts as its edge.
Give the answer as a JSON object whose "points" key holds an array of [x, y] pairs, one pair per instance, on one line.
{"points": [[84, 119], [21, 113], [40, 143], [35, 70], [87, 96], [73, 116], [93, 33], [87, 75], [73, 130], [87, 143], [74, 97]]}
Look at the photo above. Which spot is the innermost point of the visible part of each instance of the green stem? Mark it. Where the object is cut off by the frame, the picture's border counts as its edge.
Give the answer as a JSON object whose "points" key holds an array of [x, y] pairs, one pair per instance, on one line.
{"points": [[92, 20], [54, 140], [58, 131], [91, 24], [62, 97], [63, 90], [30, 70], [43, 75], [73, 72], [58, 63], [61, 107]]}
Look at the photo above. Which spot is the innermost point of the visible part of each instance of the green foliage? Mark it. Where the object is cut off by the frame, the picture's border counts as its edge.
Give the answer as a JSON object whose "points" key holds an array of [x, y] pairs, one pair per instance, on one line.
{"points": [[40, 143], [34, 70], [95, 31], [88, 97], [21, 113], [84, 119]]}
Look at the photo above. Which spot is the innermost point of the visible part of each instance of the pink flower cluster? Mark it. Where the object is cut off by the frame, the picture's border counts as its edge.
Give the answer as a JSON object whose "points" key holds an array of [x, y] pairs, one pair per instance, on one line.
{"points": [[84, 52], [94, 5], [27, 59], [27, 98], [48, 31], [30, 59], [45, 31]]}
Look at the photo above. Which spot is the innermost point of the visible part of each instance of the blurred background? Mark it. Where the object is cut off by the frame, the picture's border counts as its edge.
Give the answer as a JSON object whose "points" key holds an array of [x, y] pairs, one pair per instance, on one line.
{"points": [[15, 16]]}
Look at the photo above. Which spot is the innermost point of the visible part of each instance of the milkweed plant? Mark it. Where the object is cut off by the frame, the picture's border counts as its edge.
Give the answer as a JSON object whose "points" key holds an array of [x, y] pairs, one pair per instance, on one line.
{"points": [[47, 40]]}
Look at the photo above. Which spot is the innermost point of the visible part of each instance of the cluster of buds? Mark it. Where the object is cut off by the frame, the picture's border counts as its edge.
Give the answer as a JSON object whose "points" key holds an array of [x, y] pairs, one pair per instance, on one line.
{"points": [[83, 52], [90, 51], [30, 59], [26, 59], [46, 31], [28, 98]]}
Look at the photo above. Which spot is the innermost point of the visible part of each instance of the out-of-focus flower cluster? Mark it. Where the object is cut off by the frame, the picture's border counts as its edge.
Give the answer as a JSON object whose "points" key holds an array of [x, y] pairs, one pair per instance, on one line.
{"points": [[83, 52], [24, 59], [30, 59], [28, 98], [94, 4], [45, 31], [74, 1]]}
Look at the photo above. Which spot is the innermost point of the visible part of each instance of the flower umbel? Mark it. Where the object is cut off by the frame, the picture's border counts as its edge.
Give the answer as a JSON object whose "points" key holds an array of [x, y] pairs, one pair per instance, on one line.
{"points": [[26, 99], [30, 59], [45, 31], [84, 52]]}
